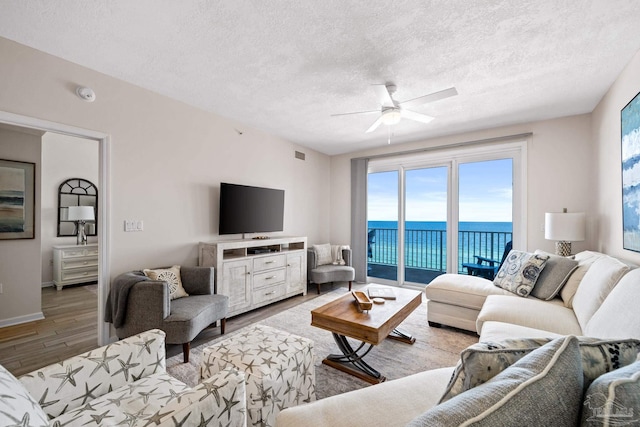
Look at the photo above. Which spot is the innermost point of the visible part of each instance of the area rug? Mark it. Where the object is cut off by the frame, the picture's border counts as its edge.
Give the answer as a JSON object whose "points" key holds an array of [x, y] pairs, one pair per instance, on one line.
{"points": [[434, 348]]}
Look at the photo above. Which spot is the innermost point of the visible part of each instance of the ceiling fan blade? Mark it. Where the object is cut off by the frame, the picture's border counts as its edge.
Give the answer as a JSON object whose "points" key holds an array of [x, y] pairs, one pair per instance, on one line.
{"points": [[411, 115], [432, 97], [356, 112], [383, 95], [375, 125]]}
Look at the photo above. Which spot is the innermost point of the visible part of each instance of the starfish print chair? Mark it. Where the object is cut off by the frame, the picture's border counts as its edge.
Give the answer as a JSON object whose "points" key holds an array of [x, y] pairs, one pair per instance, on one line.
{"points": [[124, 383]]}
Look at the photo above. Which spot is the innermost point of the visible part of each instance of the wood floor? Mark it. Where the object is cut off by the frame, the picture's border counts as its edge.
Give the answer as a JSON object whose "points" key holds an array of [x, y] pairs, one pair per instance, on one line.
{"points": [[70, 328]]}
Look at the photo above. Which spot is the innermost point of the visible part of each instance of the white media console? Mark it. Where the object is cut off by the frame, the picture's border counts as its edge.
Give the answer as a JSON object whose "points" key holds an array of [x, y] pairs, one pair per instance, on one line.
{"points": [[257, 272]]}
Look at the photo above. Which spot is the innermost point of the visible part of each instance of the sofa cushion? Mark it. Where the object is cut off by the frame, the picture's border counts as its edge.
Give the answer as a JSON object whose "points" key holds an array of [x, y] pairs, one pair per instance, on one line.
{"points": [[596, 284], [407, 396], [323, 254], [462, 290], [482, 361], [617, 317], [172, 277], [520, 271], [612, 399], [542, 388], [553, 277], [585, 259], [498, 331], [550, 316], [17, 406]]}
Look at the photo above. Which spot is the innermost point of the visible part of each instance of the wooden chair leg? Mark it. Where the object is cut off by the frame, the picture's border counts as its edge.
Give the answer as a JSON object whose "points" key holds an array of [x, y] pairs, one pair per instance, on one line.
{"points": [[223, 324], [186, 348], [318, 284], [349, 284]]}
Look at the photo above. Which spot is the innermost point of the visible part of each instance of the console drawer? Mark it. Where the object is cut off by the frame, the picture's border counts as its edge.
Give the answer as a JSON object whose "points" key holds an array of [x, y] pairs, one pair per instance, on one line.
{"points": [[269, 293], [269, 278], [269, 262]]}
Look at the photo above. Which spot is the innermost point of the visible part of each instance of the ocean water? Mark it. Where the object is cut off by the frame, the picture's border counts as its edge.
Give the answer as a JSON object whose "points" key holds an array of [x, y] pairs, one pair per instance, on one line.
{"points": [[426, 245]]}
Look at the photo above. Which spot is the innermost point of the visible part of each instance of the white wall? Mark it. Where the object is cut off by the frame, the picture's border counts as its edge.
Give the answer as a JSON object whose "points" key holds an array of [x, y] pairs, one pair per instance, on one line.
{"points": [[20, 259], [608, 171], [167, 160], [63, 157], [560, 174]]}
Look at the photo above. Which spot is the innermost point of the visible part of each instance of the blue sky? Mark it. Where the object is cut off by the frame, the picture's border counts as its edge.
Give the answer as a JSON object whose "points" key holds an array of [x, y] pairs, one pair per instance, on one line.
{"points": [[485, 193]]}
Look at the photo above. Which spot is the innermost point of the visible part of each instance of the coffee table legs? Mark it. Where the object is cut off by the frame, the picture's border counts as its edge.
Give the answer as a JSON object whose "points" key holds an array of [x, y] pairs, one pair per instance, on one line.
{"points": [[350, 361], [401, 336]]}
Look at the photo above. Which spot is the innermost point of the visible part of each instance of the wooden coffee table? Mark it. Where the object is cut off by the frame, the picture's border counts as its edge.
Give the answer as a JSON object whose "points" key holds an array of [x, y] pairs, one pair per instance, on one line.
{"points": [[343, 319]]}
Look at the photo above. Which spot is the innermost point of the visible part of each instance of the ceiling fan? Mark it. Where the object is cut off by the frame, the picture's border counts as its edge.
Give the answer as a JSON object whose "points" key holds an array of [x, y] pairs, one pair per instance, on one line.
{"points": [[392, 111]]}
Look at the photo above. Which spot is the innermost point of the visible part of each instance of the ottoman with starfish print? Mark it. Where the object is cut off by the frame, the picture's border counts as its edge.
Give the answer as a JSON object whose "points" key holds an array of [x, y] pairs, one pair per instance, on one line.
{"points": [[279, 369]]}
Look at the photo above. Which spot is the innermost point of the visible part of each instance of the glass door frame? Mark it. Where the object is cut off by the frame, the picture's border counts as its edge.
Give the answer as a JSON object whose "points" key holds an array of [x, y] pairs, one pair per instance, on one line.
{"points": [[451, 158]]}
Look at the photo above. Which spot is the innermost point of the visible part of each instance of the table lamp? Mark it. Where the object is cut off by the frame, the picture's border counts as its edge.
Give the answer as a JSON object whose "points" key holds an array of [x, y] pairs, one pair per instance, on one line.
{"points": [[81, 214], [564, 228]]}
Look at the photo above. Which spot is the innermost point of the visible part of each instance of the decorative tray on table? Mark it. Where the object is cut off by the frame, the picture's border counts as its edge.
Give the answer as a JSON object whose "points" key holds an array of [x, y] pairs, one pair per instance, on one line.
{"points": [[362, 300]]}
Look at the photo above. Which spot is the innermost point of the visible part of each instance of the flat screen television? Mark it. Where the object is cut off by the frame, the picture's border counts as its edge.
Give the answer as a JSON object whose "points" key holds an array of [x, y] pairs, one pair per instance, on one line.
{"points": [[246, 209]]}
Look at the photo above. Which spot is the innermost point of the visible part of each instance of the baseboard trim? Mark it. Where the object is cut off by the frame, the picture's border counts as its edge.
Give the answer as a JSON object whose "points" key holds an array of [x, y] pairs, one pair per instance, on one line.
{"points": [[21, 319], [47, 284]]}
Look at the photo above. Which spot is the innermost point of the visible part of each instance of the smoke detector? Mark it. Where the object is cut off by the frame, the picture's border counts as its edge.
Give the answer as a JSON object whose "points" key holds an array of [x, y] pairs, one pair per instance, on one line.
{"points": [[86, 93]]}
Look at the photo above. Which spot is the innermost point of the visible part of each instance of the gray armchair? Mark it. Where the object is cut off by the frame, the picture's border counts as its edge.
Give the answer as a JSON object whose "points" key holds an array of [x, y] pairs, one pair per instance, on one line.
{"points": [[146, 305], [329, 273]]}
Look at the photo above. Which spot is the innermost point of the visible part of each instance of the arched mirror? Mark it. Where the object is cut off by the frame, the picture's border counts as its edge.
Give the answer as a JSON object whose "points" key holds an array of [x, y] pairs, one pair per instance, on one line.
{"points": [[76, 192]]}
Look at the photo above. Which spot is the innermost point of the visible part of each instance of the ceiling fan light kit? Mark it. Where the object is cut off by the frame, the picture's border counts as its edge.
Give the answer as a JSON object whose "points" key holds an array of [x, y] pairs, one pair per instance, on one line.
{"points": [[391, 117]]}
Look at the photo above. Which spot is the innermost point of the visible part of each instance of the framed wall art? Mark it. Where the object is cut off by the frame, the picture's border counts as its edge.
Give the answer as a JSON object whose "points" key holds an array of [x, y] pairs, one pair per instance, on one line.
{"points": [[630, 137], [17, 200]]}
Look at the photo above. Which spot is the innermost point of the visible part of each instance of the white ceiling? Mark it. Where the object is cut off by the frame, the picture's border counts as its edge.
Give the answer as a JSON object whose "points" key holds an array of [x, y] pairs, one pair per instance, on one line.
{"points": [[284, 66]]}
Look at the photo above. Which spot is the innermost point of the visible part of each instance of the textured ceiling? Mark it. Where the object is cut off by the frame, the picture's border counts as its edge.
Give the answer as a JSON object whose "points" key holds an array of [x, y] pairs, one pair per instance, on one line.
{"points": [[285, 66]]}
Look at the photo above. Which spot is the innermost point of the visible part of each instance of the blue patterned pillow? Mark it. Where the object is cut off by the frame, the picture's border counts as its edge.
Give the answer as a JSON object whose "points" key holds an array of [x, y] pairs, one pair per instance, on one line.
{"points": [[520, 271]]}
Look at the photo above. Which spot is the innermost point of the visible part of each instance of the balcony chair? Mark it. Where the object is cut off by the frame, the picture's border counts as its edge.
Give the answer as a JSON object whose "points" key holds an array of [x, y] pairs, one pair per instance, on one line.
{"points": [[323, 268], [485, 267]]}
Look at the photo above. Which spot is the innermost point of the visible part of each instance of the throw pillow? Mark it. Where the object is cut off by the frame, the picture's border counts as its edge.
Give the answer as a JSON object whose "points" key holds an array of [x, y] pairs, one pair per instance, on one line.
{"points": [[323, 254], [594, 287], [541, 389], [17, 406], [612, 399], [482, 361], [585, 259], [172, 277], [519, 272], [555, 274]]}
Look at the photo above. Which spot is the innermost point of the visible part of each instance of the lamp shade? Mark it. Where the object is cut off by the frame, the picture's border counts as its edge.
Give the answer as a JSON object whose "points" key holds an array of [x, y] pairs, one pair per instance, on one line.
{"points": [[80, 213], [570, 227]]}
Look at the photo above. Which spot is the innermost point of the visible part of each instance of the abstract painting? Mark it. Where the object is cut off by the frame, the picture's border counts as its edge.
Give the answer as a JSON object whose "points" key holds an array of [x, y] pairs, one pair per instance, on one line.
{"points": [[17, 200], [630, 130]]}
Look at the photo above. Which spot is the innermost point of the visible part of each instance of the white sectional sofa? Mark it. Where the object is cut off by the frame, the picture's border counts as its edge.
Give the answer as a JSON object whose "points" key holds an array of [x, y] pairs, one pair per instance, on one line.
{"points": [[600, 302]]}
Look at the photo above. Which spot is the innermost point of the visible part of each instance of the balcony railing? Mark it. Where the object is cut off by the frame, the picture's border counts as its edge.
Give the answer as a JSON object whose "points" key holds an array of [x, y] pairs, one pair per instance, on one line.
{"points": [[427, 249]]}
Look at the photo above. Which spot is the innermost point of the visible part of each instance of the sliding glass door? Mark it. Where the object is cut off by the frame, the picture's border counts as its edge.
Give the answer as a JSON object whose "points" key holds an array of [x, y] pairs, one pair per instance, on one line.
{"points": [[433, 214], [425, 242], [485, 207], [382, 235]]}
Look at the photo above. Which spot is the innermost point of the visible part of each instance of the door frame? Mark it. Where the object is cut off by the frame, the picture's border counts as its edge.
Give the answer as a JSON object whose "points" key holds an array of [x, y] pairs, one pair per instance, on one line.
{"points": [[515, 149], [104, 196]]}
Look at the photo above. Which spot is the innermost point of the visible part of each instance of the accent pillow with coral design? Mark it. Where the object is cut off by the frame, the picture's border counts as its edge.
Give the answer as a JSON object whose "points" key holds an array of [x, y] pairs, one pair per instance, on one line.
{"points": [[482, 361], [172, 277], [520, 271]]}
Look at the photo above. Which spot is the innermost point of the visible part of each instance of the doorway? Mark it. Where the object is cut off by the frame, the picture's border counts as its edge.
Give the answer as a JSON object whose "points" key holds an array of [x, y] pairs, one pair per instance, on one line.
{"points": [[30, 123], [429, 214]]}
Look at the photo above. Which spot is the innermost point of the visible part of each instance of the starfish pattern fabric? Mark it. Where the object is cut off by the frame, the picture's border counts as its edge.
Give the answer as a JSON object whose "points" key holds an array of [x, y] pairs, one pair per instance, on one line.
{"points": [[121, 384], [279, 367]]}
